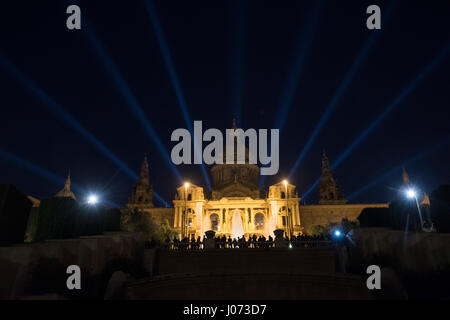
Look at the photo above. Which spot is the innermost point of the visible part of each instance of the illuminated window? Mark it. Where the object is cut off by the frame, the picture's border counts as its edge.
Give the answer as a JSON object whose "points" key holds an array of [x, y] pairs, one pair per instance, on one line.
{"points": [[189, 197], [284, 220], [259, 221]]}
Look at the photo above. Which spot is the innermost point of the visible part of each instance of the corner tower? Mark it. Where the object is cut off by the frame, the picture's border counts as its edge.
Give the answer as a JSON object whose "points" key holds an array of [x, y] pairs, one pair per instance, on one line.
{"points": [[329, 190], [142, 194]]}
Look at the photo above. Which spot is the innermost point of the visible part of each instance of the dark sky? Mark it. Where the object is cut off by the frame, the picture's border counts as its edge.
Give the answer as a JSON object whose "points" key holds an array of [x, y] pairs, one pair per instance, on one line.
{"points": [[225, 54]]}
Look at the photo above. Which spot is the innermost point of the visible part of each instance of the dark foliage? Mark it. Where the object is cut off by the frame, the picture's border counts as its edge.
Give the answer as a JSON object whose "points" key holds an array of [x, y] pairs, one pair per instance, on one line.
{"points": [[14, 211], [57, 219], [112, 219], [440, 208]]}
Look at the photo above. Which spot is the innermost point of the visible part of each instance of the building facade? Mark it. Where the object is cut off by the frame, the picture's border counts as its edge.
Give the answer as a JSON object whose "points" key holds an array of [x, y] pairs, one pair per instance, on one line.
{"points": [[236, 206]]}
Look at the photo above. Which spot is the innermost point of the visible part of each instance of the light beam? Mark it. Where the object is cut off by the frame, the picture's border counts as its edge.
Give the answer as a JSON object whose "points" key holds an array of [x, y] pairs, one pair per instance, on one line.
{"points": [[41, 95], [127, 94], [394, 104], [50, 176], [398, 168], [151, 10], [238, 32], [362, 55]]}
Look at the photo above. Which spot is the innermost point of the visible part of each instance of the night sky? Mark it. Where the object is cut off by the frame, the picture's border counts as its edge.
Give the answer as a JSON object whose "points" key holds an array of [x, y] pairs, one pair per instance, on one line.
{"points": [[78, 90]]}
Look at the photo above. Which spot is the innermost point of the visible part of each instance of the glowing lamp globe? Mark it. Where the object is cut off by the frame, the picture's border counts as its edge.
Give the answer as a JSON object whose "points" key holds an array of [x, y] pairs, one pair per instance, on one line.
{"points": [[92, 199], [410, 193]]}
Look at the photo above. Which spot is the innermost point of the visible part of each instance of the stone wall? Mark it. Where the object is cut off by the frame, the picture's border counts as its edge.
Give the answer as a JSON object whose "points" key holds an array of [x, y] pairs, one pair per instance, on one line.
{"points": [[222, 261], [250, 287], [161, 214], [420, 262], [411, 252], [40, 268], [324, 214]]}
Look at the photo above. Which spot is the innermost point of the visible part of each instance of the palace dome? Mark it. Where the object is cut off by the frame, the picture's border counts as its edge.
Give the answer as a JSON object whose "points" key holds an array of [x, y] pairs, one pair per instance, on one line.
{"points": [[235, 179]]}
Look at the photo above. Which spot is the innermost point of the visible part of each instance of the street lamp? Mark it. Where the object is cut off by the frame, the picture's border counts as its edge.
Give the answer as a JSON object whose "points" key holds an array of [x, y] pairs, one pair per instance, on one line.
{"points": [[183, 222], [92, 199], [412, 194], [288, 224]]}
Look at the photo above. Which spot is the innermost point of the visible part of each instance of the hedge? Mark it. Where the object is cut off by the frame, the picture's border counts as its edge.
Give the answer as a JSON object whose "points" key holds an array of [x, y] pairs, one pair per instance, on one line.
{"points": [[14, 211], [57, 219]]}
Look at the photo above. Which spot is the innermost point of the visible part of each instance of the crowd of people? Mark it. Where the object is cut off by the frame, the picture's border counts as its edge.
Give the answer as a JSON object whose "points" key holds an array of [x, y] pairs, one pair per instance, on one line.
{"points": [[253, 241]]}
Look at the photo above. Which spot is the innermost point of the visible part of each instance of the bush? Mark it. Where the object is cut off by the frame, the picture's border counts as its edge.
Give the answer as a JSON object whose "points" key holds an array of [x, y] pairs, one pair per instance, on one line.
{"points": [[14, 212], [316, 230], [440, 208], [57, 219], [136, 220]]}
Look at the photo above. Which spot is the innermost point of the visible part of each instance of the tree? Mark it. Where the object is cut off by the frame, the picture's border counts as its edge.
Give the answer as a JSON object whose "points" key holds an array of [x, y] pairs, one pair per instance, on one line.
{"points": [[168, 231], [316, 230], [440, 208], [137, 220]]}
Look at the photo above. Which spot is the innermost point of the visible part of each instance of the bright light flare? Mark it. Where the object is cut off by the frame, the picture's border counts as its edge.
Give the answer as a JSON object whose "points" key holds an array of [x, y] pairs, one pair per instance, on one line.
{"points": [[410, 193], [92, 199], [337, 233]]}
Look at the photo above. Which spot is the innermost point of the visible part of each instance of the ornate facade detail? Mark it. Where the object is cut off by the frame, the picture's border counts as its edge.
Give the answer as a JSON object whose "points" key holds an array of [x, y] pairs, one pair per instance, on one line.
{"points": [[235, 193]]}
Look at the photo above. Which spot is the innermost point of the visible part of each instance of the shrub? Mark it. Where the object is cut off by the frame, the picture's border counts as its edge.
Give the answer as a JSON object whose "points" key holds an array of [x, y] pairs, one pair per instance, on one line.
{"points": [[14, 211], [136, 220], [316, 230], [56, 219], [440, 208]]}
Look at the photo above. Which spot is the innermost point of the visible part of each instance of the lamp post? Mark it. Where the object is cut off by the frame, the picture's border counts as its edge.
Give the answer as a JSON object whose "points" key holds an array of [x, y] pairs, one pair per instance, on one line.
{"points": [[183, 221], [288, 222], [412, 194]]}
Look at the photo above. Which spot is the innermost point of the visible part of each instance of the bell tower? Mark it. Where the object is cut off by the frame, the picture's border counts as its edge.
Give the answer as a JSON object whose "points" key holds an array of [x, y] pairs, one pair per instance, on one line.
{"points": [[329, 190], [142, 194]]}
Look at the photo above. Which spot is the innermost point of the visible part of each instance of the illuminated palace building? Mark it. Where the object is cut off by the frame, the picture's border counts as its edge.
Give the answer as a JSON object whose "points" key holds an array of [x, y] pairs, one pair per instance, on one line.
{"points": [[236, 206]]}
